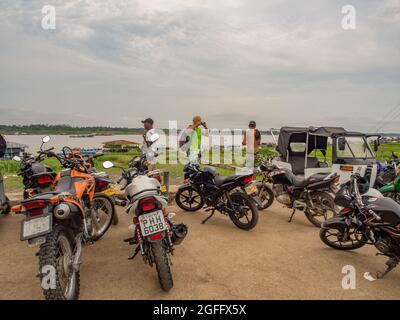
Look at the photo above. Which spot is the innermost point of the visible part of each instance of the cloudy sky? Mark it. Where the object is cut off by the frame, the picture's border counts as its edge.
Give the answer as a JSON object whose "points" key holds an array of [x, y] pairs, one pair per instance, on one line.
{"points": [[114, 62]]}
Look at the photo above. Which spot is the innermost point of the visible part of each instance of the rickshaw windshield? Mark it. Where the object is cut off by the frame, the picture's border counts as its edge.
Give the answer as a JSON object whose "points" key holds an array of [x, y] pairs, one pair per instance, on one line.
{"points": [[354, 147]]}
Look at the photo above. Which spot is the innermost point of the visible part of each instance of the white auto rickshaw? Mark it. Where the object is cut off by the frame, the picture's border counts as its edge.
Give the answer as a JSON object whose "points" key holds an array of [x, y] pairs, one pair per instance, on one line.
{"points": [[306, 151]]}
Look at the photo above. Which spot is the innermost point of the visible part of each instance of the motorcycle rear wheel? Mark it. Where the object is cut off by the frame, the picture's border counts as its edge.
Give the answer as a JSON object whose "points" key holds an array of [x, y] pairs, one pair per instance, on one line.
{"points": [[161, 261], [56, 254], [242, 206]]}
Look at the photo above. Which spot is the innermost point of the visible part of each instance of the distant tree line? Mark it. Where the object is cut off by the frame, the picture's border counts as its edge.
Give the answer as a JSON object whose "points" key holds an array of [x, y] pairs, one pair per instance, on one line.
{"points": [[70, 130], [65, 129]]}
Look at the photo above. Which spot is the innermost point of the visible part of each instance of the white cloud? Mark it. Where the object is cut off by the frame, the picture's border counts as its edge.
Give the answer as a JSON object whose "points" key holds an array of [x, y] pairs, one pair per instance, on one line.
{"points": [[147, 56]]}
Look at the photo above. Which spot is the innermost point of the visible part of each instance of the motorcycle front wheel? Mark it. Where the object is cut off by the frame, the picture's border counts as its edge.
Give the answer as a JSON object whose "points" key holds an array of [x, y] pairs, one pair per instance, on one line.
{"points": [[322, 208], [103, 215], [389, 176], [244, 211], [266, 196], [160, 258], [347, 239], [59, 280], [189, 199]]}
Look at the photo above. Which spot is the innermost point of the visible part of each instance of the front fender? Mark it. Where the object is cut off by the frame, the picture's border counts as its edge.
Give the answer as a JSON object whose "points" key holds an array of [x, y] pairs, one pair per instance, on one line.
{"points": [[337, 222], [387, 188], [184, 186]]}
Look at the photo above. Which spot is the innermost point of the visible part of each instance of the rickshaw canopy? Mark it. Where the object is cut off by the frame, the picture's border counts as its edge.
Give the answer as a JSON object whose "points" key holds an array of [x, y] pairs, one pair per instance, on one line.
{"points": [[317, 138]]}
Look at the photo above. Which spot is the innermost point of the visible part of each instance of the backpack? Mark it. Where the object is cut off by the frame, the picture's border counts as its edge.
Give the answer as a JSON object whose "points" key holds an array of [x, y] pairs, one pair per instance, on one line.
{"points": [[184, 140]]}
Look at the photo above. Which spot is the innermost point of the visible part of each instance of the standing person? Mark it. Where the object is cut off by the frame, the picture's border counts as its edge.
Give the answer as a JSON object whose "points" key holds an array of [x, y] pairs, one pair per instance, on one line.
{"points": [[195, 133], [150, 143], [252, 141], [4, 201]]}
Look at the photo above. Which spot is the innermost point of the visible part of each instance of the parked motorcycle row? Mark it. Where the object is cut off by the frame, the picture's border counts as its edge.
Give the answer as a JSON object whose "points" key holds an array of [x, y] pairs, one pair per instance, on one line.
{"points": [[68, 210]]}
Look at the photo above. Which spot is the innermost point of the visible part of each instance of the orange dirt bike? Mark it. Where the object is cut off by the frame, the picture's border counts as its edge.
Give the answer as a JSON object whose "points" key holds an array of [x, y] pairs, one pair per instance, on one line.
{"points": [[61, 221]]}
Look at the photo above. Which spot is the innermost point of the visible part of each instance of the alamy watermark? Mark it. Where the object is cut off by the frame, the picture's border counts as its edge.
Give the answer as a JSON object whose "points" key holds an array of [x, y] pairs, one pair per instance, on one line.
{"points": [[349, 20], [49, 19]]}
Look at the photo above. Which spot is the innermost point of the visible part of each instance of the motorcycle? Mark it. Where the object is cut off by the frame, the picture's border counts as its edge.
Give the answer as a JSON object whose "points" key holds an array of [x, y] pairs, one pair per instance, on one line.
{"points": [[102, 180], [392, 190], [387, 173], [5, 206], [265, 193], [139, 164], [61, 221], [154, 233], [230, 195], [36, 177], [314, 195], [375, 222]]}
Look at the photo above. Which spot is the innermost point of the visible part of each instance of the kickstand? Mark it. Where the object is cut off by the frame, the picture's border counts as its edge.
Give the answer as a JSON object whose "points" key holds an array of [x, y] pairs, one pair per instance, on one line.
{"points": [[291, 216], [131, 257], [391, 264], [209, 217]]}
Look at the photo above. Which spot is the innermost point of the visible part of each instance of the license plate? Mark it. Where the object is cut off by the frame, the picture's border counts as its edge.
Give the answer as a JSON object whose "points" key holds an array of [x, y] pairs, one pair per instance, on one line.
{"points": [[251, 189], [110, 192], [151, 223], [163, 189], [36, 227]]}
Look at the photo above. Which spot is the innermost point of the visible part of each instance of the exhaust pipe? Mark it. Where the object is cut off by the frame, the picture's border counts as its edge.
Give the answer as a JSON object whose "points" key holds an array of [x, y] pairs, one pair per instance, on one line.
{"points": [[179, 233], [63, 211]]}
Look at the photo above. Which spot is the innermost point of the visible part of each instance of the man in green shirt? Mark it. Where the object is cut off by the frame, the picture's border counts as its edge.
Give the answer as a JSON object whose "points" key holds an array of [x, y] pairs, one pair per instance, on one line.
{"points": [[194, 131]]}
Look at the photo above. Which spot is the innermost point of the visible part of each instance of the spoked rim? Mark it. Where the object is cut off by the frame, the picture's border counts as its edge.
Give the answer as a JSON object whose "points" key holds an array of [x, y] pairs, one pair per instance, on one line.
{"points": [[322, 209], [102, 216], [190, 198], [347, 239], [264, 197], [66, 273]]}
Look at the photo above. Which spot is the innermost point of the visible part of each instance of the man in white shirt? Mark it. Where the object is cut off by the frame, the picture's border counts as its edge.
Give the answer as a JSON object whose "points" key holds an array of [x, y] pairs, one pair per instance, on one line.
{"points": [[150, 143]]}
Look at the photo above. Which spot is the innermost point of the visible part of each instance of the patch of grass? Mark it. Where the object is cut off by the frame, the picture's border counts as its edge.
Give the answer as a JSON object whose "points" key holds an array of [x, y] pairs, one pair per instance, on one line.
{"points": [[9, 168], [12, 183]]}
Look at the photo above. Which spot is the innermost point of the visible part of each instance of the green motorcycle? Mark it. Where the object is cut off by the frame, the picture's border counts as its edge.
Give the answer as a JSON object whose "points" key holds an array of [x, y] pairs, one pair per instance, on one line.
{"points": [[392, 190]]}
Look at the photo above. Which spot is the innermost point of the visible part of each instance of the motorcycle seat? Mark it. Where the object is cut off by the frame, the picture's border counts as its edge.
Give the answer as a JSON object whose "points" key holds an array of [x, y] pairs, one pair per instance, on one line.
{"points": [[220, 180], [301, 182], [42, 196]]}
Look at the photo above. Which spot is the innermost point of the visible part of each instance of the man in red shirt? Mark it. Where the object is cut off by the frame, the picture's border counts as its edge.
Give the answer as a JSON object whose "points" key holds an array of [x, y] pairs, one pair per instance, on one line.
{"points": [[252, 140]]}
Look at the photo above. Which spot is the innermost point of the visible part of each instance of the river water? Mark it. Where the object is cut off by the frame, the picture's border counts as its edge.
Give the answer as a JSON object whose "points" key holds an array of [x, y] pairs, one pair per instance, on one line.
{"points": [[59, 141]]}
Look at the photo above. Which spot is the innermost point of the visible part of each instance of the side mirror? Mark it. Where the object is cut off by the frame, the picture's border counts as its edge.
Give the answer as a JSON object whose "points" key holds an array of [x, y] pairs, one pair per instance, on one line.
{"points": [[342, 144], [46, 139], [108, 165], [16, 158]]}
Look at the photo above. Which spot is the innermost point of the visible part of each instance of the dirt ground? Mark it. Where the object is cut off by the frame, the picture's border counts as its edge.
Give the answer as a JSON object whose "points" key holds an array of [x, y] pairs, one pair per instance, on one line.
{"points": [[276, 260]]}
